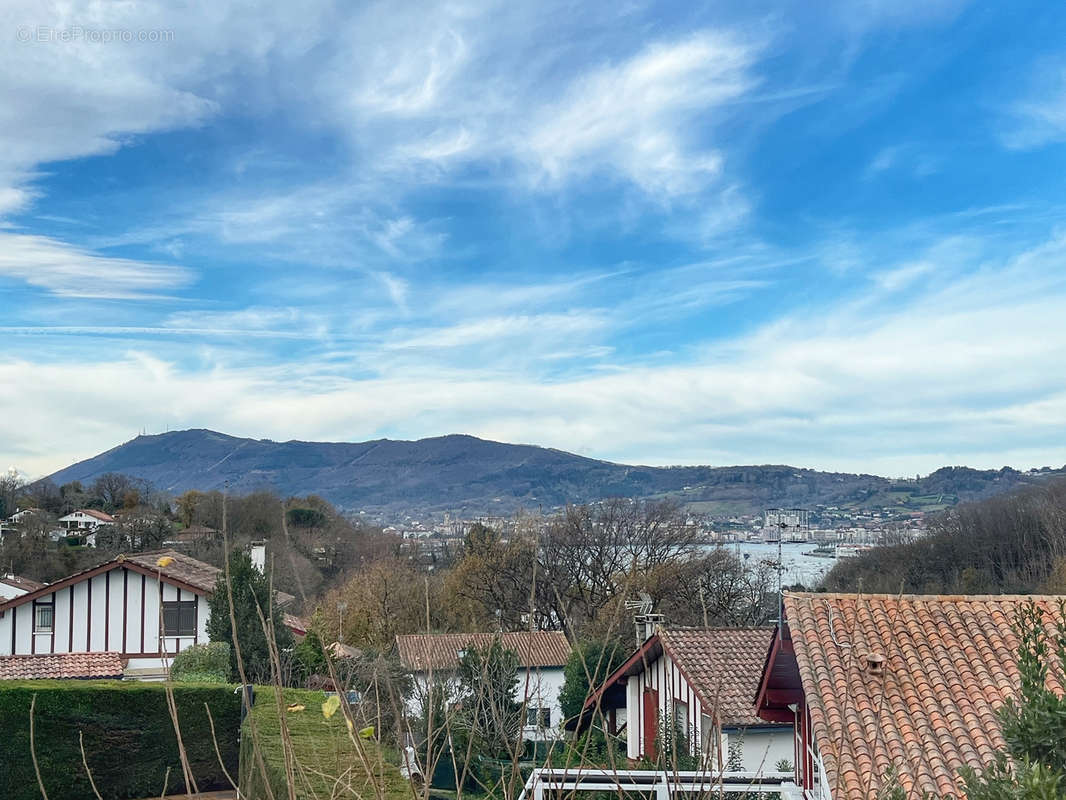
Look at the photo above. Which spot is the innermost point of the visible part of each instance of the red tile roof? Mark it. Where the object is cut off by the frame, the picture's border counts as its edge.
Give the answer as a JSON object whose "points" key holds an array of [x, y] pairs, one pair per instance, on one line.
{"points": [[723, 666], [950, 664], [421, 652], [61, 665]]}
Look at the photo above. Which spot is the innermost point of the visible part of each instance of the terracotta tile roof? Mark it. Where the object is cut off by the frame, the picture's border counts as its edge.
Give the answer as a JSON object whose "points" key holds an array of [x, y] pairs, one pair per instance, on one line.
{"points": [[950, 664], [25, 584], [182, 568], [420, 652], [191, 571], [61, 665], [723, 665]]}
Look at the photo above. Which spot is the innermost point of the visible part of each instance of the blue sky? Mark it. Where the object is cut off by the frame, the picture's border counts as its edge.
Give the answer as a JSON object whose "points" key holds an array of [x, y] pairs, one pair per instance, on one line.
{"points": [[825, 234]]}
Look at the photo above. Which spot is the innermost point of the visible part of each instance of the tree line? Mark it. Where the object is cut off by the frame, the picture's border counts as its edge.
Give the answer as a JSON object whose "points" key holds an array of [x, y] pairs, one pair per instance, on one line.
{"points": [[312, 544], [1012, 543], [572, 571]]}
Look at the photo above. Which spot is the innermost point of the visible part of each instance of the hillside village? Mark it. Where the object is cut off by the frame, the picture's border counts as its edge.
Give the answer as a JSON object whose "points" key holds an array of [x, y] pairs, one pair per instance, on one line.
{"points": [[813, 695], [554, 400]]}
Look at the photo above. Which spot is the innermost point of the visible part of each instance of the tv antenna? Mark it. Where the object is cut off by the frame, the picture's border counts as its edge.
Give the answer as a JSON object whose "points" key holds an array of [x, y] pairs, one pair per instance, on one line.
{"points": [[644, 620]]}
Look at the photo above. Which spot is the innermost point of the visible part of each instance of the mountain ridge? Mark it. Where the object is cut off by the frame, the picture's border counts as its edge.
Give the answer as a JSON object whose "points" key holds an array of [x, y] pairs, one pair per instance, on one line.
{"points": [[464, 474]]}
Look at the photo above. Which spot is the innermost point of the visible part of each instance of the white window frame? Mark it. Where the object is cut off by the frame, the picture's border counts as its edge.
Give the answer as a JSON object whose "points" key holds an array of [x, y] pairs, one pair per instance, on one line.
{"points": [[40, 604]]}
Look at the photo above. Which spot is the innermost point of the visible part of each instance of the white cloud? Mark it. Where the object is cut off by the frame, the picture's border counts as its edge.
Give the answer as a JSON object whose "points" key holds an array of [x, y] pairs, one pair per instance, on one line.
{"points": [[631, 118], [965, 372], [69, 271], [1040, 117], [884, 159], [901, 277], [528, 329]]}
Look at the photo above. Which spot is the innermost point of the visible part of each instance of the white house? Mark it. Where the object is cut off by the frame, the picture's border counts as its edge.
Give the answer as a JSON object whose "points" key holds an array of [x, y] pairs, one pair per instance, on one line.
{"points": [[14, 523], [146, 607], [541, 658], [701, 682], [14, 586], [83, 523], [85, 520], [22, 515]]}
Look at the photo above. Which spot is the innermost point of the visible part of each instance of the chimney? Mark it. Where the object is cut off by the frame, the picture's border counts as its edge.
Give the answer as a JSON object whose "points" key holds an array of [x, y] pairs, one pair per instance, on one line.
{"points": [[257, 551], [875, 664], [649, 622]]}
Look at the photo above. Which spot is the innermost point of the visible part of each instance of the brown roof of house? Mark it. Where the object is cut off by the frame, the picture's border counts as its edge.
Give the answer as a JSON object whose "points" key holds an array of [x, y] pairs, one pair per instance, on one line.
{"points": [[182, 570], [950, 664], [297, 625], [421, 652], [18, 582], [61, 665], [194, 532], [723, 666], [191, 571]]}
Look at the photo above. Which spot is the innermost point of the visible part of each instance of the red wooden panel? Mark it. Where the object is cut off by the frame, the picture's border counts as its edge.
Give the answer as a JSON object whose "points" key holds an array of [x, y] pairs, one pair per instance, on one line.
{"points": [[651, 721]]}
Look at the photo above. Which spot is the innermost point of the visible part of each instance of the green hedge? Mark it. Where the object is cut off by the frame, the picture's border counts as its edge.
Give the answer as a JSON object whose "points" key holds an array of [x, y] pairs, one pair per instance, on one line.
{"points": [[324, 752], [128, 733]]}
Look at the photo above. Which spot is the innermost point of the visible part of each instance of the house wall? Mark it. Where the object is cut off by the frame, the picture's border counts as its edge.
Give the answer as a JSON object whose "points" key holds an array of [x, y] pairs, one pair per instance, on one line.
{"points": [[80, 521], [762, 748], [663, 676], [115, 611], [537, 687], [759, 748]]}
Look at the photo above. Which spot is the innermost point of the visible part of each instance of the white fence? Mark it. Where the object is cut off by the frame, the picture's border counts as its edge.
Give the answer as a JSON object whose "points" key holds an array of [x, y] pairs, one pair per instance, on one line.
{"points": [[664, 785]]}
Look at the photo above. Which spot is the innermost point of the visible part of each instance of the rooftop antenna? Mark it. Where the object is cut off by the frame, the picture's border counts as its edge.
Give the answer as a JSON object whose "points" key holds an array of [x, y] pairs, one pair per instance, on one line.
{"points": [[644, 620]]}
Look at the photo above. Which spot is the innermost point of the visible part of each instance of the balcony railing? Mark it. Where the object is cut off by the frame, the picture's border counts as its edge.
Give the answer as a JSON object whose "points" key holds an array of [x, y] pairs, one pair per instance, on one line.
{"points": [[820, 790], [545, 784]]}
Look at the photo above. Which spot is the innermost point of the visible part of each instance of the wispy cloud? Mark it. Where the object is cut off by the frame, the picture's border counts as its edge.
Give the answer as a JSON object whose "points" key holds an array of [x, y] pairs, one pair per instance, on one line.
{"points": [[68, 271], [1039, 118], [808, 392], [627, 119]]}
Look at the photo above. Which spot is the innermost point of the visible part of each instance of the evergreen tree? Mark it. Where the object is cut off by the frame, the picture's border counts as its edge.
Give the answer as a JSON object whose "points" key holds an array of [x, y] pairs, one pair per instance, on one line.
{"points": [[1035, 727], [250, 589], [488, 680], [593, 659]]}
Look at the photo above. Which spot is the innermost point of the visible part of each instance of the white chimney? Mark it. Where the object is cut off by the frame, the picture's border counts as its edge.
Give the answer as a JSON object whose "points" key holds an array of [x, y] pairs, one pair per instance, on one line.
{"points": [[651, 624], [257, 551]]}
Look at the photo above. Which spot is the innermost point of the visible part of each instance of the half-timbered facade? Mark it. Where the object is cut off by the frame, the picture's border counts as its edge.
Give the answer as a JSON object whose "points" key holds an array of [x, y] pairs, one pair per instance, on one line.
{"points": [[701, 683], [145, 607]]}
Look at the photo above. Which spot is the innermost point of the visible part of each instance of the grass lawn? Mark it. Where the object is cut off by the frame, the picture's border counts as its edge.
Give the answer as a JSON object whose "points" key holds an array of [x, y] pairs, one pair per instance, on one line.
{"points": [[328, 763]]}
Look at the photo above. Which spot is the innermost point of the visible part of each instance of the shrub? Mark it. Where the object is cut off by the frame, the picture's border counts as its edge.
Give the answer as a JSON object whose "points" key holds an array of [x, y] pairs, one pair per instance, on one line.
{"points": [[202, 663], [128, 734]]}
